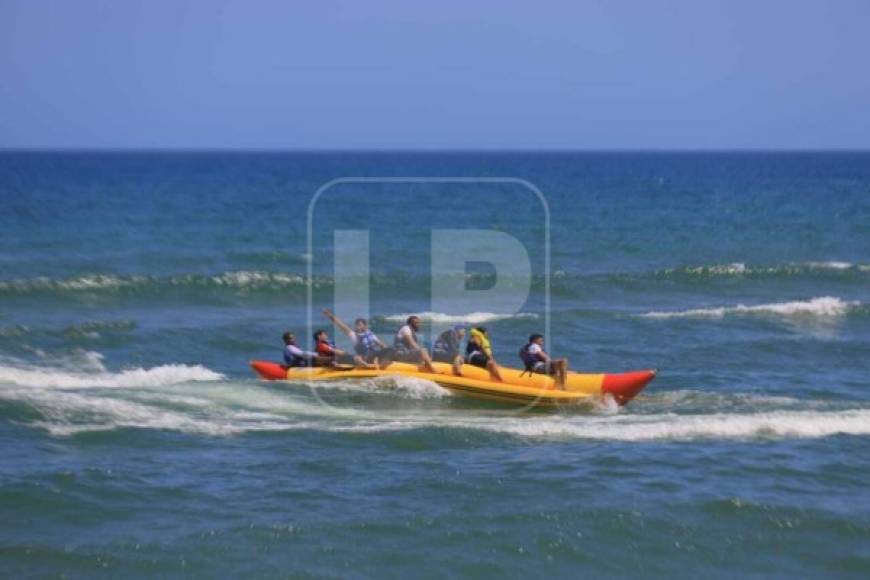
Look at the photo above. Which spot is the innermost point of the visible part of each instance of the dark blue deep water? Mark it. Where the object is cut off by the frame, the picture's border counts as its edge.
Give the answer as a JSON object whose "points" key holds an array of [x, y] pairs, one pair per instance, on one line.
{"points": [[135, 442]]}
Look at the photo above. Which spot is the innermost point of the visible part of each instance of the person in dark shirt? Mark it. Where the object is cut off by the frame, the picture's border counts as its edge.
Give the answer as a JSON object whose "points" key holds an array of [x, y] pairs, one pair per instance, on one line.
{"points": [[537, 360], [478, 352], [448, 349], [296, 357], [326, 349]]}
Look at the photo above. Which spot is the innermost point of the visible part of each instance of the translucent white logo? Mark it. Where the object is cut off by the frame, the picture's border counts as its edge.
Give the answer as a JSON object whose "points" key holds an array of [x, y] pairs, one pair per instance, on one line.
{"points": [[449, 249]]}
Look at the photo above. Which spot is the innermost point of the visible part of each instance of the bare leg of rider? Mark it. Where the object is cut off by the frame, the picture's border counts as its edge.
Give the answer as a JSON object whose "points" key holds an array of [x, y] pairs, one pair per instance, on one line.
{"points": [[426, 366], [562, 366], [457, 365], [360, 362], [493, 370]]}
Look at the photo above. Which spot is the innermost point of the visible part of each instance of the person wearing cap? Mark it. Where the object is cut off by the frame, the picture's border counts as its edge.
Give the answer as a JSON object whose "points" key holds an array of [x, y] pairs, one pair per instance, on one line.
{"points": [[478, 352], [447, 348]]}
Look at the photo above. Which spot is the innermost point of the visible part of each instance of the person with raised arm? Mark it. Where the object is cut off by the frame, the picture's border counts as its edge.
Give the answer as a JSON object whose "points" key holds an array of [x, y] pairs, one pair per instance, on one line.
{"points": [[368, 348]]}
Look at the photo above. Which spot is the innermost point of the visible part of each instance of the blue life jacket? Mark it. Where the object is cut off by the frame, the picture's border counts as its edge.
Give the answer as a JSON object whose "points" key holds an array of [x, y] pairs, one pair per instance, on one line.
{"points": [[447, 343], [529, 359], [366, 343]]}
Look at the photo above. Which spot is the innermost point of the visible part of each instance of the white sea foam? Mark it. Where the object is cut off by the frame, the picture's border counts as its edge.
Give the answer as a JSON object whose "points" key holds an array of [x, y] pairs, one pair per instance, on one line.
{"points": [[86, 370], [720, 269], [470, 318], [832, 265], [407, 387], [112, 414], [640, 428], [153, 399], [822, 306], [240, 279], [68, 413], [726, 401], [245, 279], [798, 424], [741, 269], [84, 282], [79, 395], [173, 397], [16, 330], [229, 409]]}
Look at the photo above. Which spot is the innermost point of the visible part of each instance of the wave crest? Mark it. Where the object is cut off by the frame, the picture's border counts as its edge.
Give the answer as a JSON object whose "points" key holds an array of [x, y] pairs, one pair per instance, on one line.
{"points": [[241, 279], [825, 306], [470, 318], [87, 371], [740, 269], [264, 281]]}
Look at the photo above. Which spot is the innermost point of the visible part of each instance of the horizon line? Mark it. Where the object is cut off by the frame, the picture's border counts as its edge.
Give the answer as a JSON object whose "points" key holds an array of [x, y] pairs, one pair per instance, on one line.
{"points": [[424, 150]]}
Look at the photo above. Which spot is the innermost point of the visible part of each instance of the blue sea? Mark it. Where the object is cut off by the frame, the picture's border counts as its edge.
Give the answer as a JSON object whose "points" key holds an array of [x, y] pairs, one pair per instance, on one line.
{"points": [[136, 441]]}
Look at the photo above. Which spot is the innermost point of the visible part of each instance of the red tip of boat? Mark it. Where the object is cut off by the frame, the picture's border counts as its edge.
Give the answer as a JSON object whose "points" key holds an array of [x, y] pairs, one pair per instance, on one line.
{"points": [[269, 370], [625, 386]]}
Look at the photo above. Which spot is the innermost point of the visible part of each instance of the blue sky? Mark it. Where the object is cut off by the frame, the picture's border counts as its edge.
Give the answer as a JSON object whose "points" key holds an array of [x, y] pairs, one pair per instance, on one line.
{"points": [[445, 75]]}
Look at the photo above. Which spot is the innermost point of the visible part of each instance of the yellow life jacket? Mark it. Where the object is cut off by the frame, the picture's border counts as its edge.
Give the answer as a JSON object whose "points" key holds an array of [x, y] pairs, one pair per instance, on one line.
{"points": [[483, 340]]}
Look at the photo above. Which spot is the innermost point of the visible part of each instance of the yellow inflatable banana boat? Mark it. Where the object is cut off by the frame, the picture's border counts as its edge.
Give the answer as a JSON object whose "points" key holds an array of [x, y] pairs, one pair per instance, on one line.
{"points": [[517, 387]]}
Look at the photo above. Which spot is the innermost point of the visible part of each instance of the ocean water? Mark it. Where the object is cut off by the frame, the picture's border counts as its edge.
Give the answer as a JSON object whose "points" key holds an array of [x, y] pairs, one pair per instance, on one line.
{"points": [[135, 287]]}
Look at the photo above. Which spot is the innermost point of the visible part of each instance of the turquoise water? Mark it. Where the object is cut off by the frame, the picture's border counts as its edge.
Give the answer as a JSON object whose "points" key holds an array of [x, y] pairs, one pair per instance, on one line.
{"points": [[134, 288]]}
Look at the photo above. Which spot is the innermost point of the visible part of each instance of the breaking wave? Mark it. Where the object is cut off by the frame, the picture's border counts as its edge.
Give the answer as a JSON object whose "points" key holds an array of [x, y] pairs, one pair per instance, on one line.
{"points": [[115, 283], [470, 318], [825, 306], [833, 267], [86, 370], [244, 282]]}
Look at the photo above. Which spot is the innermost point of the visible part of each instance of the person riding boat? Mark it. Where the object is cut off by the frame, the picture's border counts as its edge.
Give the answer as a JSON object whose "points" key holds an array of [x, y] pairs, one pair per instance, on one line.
{"points": [[538, 361], [478, 352], [407, 347], [296, 357], [369, 349], [327, 349], [447, 348]]}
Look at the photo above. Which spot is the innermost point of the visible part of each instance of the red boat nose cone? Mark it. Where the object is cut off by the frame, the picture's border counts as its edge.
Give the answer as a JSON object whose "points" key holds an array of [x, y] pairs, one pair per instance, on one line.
{"points": [[269, 370], [625, 386]]}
